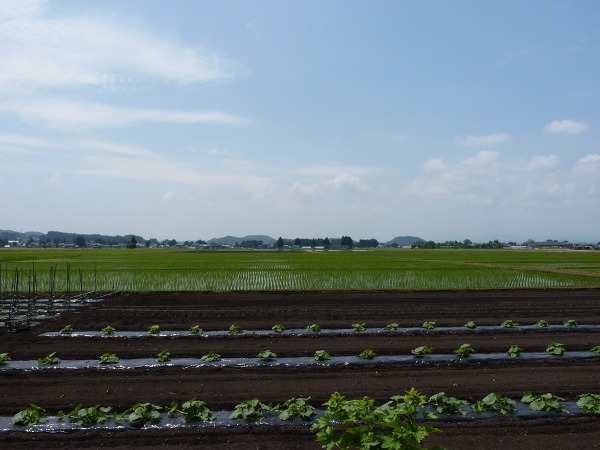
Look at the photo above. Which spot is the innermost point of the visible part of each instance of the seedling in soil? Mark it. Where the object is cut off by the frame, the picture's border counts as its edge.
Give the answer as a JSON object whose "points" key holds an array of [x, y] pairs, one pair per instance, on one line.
{"points": [[211, 357], [295, 408], [589, 403], [509, 324], [252, 409], [153, 329], [163, 356], [429, 325], [556, 348], [235, 329], [544, 402], [593, 349], [471, 325], [66, 330], [542, 323], [514, 351], [570, 323], [32, 415], [4, 358], [321, 355], [421, 351], [495, 403], [87, 416], [196, 329], [50, 359], [391, 327], [141, 413], [108, 358], [464, 351], [314, 328], [367, 353], [192, 410], [109, 331], [266, 355], [356, 327], [278, 328], [447, 405]]}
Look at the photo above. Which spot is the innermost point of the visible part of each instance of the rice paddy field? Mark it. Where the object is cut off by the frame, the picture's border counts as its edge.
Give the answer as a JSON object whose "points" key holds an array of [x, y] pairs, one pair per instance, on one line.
{"points": [[140, 270]]}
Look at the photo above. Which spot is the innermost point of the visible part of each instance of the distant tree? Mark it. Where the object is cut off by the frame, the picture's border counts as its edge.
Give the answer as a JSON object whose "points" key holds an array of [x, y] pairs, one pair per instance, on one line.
{"points": [[79, 241], [347, 242], [395, 245], [298, 242], [132, 243], [279, 243], [326, 244], [313, 243], [368, 243], [467, 242]]}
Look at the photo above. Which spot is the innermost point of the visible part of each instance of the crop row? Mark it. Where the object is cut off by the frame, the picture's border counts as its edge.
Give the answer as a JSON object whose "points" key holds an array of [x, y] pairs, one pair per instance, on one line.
{"points": [[344, 423]]}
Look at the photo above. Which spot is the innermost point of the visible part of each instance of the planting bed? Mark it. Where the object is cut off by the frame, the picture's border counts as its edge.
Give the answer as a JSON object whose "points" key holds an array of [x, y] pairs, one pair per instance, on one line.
{"points": [[222, 388]]}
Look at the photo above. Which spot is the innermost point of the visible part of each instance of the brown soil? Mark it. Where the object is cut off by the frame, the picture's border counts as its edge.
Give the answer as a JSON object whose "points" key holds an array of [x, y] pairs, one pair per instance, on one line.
{"points": [[223, 388]]}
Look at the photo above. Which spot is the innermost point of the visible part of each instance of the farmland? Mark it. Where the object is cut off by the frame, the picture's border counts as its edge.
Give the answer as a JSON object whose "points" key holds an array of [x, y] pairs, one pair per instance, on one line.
{"points": [[387, 269], [447, 289]]}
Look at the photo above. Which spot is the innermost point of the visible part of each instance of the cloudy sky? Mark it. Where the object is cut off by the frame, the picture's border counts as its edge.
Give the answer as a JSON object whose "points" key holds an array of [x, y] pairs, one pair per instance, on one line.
{"points": [[193, 119]]}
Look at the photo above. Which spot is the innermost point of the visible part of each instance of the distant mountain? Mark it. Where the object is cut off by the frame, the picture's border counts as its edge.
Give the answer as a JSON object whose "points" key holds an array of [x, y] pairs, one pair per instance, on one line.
{"points": [[231, 240], [403, 241]]}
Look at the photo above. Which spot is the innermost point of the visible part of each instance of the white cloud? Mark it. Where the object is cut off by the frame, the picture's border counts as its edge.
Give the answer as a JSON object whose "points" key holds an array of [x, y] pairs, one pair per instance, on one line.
{"points": [[39, 51], [73, 115], [433, 165], [543, 162], [484, 141], [480, 160], [347, 182], [565, 127], [20, 140], [590, 163]]}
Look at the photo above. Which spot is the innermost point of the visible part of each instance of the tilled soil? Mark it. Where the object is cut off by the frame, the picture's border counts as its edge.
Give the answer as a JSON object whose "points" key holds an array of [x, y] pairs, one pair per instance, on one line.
{"points": [[223, 388]]}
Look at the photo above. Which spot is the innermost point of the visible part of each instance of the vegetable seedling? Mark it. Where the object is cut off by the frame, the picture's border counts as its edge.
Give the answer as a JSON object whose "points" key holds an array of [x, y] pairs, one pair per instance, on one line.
{"points": [[542, 324], [314, 328], [367, 353], [192, 409], [543, 402], [421, 351], [32, 415], [252, 409], [196, 329], [87, 416], [109, 331], [464, 351], [66, 330], [514, 351], [556, 348], [211, 357], [235, 329], [447, 405], [429, 325], [595, 349], [471, 325], [4, 358], [50, 359], [570, 323], [140, 413], [589, 403], [496, 403], [163, 356], [357, 327], [509, 324], [266, 355], [295, 408], [321, 355], [391, 327], [153, 330], [108, 358], [278, 328]]}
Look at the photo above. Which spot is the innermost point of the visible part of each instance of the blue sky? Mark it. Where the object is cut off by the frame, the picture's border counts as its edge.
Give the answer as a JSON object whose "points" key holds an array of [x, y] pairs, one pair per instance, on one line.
{"points": [[194, 119]]}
